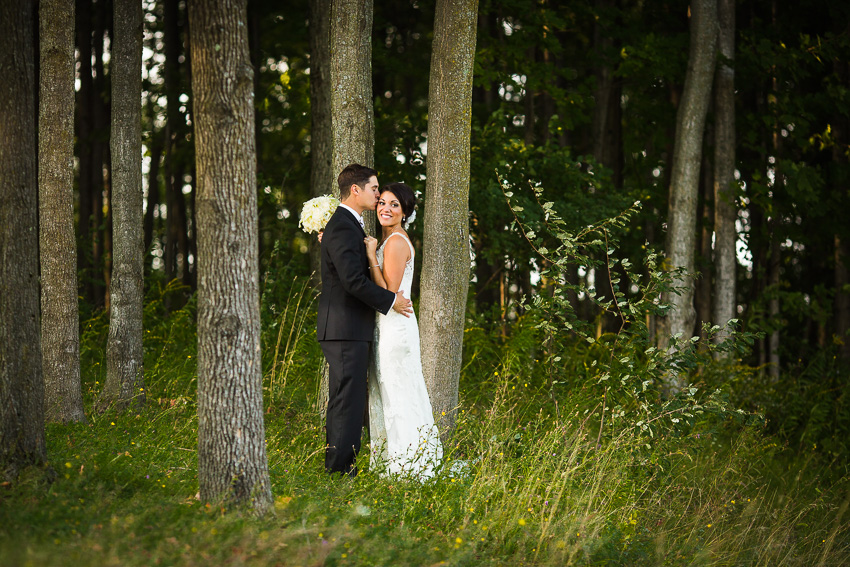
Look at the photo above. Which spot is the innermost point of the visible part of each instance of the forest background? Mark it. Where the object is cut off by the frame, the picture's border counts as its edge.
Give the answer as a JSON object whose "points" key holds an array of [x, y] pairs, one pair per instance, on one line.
{"points": [[593, 443]]}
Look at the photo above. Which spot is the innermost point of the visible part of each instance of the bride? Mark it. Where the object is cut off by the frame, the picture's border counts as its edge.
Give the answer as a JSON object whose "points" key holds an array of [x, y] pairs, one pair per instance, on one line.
{"points": [[401, 423]]}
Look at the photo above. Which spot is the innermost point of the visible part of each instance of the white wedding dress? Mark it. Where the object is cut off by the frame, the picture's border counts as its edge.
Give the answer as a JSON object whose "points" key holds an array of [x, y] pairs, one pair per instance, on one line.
{"points": [[404, 439]]}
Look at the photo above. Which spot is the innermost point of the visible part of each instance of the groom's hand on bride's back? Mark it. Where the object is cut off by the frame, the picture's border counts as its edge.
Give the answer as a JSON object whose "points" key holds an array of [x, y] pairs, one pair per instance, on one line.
{"points": [[402, 305]]}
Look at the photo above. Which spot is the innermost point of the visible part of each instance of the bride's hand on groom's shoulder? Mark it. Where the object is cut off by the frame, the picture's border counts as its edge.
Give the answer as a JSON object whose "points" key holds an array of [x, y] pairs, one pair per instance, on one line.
{"points": [[320, 236]]}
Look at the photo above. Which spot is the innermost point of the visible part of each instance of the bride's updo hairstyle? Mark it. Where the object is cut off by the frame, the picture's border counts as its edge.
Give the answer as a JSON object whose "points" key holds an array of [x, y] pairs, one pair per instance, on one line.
{"points": [[405, 197]]}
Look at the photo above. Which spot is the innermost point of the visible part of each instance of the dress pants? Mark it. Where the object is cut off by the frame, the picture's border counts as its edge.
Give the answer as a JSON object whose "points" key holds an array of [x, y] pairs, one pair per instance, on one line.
{"points": [[348, 363]]}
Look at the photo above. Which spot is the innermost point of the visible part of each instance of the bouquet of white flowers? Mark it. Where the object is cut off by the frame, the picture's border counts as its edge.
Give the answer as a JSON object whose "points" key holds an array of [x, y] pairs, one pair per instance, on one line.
{"points": [[317, 212]]}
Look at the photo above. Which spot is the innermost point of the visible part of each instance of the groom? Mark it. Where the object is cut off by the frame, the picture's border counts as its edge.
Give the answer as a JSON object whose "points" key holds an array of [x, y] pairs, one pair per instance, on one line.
{"points": [[347, 308]]}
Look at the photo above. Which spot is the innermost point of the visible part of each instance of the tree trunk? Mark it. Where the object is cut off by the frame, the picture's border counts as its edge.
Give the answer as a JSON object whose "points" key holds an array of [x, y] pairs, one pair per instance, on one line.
{"points": [[322, 175], [352, 111], [445, 266], [758, 244], [100, 143], [486, 274], [529, 102], [842, 297], [176, 243], [84, 130], [607, 140], [21, 380], [607, 113], [773, 307], [725, 211], [232, 462], [703, 284], [124, 353], [60, 336], [775, 224], [156, 145], [842, 251], [254, 43], [684, 180]]}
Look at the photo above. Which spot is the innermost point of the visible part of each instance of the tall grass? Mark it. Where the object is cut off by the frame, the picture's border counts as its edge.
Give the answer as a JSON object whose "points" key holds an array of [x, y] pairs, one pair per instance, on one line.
{"points": [[543, 469]]}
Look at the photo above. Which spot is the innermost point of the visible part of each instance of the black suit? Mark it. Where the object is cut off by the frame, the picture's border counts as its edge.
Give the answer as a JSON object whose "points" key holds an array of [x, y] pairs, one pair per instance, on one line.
{"points": [[345, 330]]}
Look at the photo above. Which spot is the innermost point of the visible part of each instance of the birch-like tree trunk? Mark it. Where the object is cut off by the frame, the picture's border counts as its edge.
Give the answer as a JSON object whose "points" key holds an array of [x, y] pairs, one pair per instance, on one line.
{"points": [[21, 379], [124, 352], [446, 262], [232, 461], [60, 334], [685, 175], [725, 210]]}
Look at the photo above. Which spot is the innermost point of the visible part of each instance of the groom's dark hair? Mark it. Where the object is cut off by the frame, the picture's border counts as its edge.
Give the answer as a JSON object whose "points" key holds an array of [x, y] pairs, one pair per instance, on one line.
{"points": [[354, 174]]}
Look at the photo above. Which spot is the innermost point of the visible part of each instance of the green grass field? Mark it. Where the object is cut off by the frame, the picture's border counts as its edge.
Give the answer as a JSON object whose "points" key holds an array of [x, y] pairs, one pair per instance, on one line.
{"points": [[534, 483]]}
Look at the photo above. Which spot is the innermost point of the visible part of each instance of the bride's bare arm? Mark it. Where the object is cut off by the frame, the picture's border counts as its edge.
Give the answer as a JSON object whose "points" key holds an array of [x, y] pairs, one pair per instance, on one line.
{"points": [[374, 268], [396, 255]]}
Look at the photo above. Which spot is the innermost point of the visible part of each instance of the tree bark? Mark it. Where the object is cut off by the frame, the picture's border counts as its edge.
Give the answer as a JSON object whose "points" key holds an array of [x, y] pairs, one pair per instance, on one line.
{"points": [[775, 223], [156, 145], [21, 381], [60, 335], [176, 253], [773, 279], [725, 211], [232, 462], [124, 352], [684, 180], [705, 214], [352, 110], [446, 263], [352, 113], [529, 102], [84, 129], [99, 275], [607, 112], [322, 175], [607, 139]]}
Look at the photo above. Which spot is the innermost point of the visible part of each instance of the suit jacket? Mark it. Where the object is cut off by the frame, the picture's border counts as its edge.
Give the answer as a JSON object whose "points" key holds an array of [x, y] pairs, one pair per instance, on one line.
{"points": [[349, 297]]}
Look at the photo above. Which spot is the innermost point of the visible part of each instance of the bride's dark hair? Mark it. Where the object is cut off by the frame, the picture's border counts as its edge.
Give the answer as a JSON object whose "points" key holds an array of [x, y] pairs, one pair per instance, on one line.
{"points": [[405, 197]]}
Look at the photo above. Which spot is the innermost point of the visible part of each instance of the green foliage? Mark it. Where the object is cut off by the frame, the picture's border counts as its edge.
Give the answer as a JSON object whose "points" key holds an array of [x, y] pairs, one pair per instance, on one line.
{"points": [[628, 370], [528, 487], [567, 451], [806, 409], [525, 480]]}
